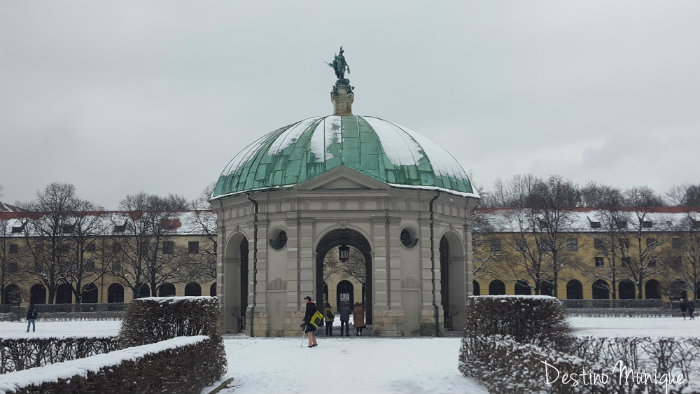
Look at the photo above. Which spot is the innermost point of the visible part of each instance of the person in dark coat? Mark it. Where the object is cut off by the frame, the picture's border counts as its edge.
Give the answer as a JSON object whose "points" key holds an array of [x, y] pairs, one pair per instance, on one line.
{"points": [[309, 328], [345, 319], [691, 307], [684, 307], [32, 315]]}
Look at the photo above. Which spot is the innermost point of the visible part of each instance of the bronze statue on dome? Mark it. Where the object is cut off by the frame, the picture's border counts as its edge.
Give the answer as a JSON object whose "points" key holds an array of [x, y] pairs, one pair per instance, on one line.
{"points": [[339, 65]]}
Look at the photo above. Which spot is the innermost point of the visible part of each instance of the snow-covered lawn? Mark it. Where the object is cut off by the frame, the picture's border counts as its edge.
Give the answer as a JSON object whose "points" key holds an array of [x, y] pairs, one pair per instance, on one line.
{"points": [[356, 364], [635, 326]]}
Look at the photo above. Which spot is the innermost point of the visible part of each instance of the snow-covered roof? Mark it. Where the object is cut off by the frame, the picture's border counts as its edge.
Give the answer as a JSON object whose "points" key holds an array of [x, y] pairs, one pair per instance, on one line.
{"points": [[192, 222], [589, 219], [380, 149]]}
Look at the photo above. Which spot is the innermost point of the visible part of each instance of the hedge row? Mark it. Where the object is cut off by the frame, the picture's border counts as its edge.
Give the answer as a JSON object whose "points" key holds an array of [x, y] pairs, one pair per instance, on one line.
{"points": [[666, 354], [149, 368], [511, 345], [17, 354], [538, 320], [620, 312], [154, 319]]}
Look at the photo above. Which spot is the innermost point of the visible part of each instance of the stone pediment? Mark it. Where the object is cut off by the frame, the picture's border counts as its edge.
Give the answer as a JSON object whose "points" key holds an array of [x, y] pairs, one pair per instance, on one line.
{"points": [[342, 178]]}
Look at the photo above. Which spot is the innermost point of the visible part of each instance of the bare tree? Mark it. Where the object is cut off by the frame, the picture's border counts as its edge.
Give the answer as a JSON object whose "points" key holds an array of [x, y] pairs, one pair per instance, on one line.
{"points": [[201, 263], [86, 223], [686, 262], [9, 254], [50, 214], [686, 194], [485, 257], [354, 267], [147, 247], [640, 258], [613, 221]]}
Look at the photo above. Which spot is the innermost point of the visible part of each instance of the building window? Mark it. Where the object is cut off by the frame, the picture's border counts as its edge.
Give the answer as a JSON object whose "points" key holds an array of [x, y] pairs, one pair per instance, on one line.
{"points": [[495, 245], [64, 248], [653, 261], [696, 225], [599, 261], [546, 245], [67, 229], [116, 266], [625, 243], [16, 229], [520, 245], [651, 243], [594, 224], [647, 224], [621, 223], [597, 243], [676, 243], [572, 244], [90, 266], [14, 248], [626, 261], [193, 247], [90, 247], [168, 247], [214, 247], [12, 266], [119, 228], [116, 247]]}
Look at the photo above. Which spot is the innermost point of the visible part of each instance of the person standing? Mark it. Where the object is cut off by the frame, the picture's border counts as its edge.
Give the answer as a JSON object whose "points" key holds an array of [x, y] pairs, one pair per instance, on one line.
{"points": [[329, 317], [684, 307], [358, 316], [32, 315], [309, 328], [345, 319], [691, 307]]}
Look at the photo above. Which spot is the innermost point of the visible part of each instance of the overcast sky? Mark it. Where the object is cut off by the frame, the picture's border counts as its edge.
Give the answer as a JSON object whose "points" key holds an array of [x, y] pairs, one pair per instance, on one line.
{"points": [[118, 97]]}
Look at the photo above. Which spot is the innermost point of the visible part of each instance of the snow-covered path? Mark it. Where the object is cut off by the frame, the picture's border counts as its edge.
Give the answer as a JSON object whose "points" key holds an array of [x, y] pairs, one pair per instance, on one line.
{"points": [[346, 365]]}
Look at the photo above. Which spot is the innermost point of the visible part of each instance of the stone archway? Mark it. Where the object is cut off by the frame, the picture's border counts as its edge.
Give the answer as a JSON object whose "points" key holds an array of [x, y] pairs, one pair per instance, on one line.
{"points": [[353, 239], [453, 279], [234, 289]]}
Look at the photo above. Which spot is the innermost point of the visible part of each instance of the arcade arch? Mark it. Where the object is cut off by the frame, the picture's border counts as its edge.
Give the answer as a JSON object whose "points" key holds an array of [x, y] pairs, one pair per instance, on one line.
{"points": [[452, 280], [235, 292]]}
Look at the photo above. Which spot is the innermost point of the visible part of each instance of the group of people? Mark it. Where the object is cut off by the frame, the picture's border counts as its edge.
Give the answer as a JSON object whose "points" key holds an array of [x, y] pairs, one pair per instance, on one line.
{"points": [[687, 306], [358, 315]]}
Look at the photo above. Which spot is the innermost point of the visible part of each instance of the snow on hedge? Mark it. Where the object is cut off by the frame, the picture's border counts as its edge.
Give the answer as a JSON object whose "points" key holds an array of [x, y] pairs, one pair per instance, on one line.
{"points": [[80, 367]]}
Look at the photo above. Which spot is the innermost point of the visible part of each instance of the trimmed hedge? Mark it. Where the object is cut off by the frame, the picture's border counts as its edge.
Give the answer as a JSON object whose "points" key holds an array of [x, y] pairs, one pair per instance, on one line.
{"points": [[155, 319], [511, 343], [165, 367], [538, 320], [21, 353]]}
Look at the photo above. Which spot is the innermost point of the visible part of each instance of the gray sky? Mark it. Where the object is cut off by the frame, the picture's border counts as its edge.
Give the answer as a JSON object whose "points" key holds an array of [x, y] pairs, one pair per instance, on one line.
{"points": [[118, 97]]}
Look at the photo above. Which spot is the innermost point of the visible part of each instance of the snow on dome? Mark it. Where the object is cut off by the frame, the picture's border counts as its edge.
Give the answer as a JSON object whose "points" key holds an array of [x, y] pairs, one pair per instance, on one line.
{"points": [[380, 149]]}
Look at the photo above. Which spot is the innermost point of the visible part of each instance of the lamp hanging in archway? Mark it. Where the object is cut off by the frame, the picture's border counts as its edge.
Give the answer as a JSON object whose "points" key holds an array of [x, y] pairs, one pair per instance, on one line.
{"points": [[344, 253]]}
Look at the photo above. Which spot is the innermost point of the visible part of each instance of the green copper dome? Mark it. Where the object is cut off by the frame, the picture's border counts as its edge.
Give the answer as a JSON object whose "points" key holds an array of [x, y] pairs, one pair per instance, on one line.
{"points": [[374, 147]]}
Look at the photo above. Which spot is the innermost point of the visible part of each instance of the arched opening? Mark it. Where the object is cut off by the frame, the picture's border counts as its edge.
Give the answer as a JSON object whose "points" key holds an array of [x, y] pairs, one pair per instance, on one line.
{"points": [[115, 293], [476, 289], [625, 290], [497, 287], [64, 294], [574, 290], [345, 294], [89, 294], [11, 294], [453, 279], [355, 266], [212, 290], [546, 288], [142, 291], [601, 291], [233, 293], [37, 294], [193, 289], [166, 290], [522, 288], [652, 290]]}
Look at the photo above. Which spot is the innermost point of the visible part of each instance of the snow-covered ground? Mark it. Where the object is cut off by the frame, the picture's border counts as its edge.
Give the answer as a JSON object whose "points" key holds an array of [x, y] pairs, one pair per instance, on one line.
{"points": [[635, 326], [356, 364]]}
